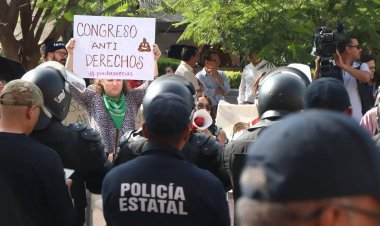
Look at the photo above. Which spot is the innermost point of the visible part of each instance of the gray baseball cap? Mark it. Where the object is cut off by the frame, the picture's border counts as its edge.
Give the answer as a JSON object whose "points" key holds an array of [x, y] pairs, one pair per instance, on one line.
{"points": [[23, 93], [312, 155]]}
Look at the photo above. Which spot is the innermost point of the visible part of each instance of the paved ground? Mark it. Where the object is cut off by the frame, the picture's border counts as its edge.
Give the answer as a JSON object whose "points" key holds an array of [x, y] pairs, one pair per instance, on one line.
{"points": [[97, 218]]}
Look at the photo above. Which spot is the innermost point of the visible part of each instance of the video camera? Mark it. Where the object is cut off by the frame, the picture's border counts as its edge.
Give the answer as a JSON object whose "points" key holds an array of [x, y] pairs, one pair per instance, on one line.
{"points": [[325, 46]]}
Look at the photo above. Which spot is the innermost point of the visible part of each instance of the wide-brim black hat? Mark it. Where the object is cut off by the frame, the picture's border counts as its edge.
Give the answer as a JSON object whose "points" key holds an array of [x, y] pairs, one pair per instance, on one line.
{"points": [[10, 69]]}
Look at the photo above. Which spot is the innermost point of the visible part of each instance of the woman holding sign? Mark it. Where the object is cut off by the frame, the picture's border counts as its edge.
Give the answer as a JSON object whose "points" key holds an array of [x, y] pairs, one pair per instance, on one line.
{"points": [[111, 108]]}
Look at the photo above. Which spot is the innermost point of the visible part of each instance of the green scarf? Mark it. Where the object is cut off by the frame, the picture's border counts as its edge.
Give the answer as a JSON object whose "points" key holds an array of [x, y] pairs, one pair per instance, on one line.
{"points": [[116, 108]]}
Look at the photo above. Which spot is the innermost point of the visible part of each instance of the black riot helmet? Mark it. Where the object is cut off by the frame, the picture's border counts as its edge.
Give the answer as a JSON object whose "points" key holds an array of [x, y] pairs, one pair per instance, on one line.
{"points": [[180, 79], [280, 92], [53, 80], [170, 84]]}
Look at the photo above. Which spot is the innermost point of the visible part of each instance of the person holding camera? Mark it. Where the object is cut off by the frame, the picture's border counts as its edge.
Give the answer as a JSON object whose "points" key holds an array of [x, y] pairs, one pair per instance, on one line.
{"points": [[347, 54]]}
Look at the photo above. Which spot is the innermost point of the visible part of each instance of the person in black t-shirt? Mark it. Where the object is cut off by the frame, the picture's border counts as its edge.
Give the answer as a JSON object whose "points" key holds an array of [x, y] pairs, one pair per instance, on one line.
{"points": [[32, 172]]}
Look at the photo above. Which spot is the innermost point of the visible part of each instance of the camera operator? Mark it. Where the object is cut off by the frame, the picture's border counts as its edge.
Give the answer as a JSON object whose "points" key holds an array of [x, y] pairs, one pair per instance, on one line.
{"points": [[353, 73], [346, 69]]}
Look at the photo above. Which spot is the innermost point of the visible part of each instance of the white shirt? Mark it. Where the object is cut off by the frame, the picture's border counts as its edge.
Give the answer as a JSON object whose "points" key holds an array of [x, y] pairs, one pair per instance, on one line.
{"points": [[248, 79], [351, 85], [188, 72]]}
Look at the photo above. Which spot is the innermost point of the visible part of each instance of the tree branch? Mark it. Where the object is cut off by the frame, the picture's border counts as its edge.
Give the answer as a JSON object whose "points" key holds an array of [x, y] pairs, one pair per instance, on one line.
{"points": [[42, 24], [37, 15], [8, 42], [55, 33], [4, 8], [36, 19], [14, 13], [26, 20], [34, 5]]}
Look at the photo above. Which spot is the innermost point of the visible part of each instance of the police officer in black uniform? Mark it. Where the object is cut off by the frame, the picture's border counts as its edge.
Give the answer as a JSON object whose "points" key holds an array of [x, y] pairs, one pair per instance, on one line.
{"points": [[79, 147], [280, 92], [161, 187], [201, 149]]}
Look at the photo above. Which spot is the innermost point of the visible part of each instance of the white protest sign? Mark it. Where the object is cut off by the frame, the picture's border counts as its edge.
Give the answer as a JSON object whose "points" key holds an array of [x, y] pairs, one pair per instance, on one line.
{"points": [[114, 47], [229, 114], [76, 114]]}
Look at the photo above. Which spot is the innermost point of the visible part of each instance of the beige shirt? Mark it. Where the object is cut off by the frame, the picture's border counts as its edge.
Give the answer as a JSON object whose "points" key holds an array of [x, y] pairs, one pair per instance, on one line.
{"points": [[188, 72]]}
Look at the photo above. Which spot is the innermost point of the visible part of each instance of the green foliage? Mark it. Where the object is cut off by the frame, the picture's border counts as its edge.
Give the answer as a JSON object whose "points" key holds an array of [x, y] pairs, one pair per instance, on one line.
{"points": [[164, 62], [281, 30], [234, 78]]}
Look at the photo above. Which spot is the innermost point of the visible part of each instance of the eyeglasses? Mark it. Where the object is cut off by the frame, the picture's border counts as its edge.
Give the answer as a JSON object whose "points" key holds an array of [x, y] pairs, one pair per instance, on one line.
{"points": [[356, 46], [203, 106], [62, 53]]}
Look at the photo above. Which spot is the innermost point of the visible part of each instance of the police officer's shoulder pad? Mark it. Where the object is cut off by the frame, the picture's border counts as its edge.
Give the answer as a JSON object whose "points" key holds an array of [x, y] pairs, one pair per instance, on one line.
{"points": [[76, 127], [90, 134], [130, 136], [206, 144]]}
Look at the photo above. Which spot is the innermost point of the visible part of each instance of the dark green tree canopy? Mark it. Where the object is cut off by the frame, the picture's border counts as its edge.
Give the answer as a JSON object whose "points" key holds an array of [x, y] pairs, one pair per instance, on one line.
{"points": [[281, 30], [23, 22]]}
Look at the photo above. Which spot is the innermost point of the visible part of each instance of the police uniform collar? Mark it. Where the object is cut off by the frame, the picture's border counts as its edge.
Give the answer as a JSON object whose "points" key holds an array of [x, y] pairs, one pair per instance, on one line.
{"points": [[164, 149]]}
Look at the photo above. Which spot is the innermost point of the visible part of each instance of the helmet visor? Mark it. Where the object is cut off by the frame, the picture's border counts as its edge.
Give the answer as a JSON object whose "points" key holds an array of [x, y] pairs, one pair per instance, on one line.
{"points": [[75, 81], [70, 77]]}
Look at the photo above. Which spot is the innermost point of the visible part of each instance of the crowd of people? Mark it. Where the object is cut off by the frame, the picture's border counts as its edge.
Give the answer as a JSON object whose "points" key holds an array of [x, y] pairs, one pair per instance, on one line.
{"points": [[307, 159]]}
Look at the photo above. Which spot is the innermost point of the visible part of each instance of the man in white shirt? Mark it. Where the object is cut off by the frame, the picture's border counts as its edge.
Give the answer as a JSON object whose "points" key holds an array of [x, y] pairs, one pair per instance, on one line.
{"points": [[348, 52], [214, 82], [251, 73], [190, 57]]}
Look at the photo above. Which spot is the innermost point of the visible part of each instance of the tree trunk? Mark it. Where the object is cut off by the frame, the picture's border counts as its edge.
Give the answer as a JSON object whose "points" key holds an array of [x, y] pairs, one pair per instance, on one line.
{"points": [[9, 44]]}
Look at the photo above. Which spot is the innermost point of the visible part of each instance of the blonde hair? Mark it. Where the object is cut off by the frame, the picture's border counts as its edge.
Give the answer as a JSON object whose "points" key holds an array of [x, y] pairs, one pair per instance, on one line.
{"points": [[98, 87]]}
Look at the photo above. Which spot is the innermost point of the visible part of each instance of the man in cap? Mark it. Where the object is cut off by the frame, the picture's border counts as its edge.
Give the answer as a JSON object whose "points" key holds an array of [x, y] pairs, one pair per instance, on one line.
{"points": [[315, 168], [54, 51], [201, 149], [328, 93], [158, 187], [79, 147], [32, 172]]}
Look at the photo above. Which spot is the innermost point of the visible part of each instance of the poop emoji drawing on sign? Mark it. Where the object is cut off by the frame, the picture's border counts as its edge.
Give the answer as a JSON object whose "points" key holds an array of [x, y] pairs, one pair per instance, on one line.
{"points": [[144, 46]]}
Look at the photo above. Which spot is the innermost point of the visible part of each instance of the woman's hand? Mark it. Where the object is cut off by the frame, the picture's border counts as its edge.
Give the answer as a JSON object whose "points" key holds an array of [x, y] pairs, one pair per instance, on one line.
{"points": [[70, 46], [70, 50], [157, 52]]}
